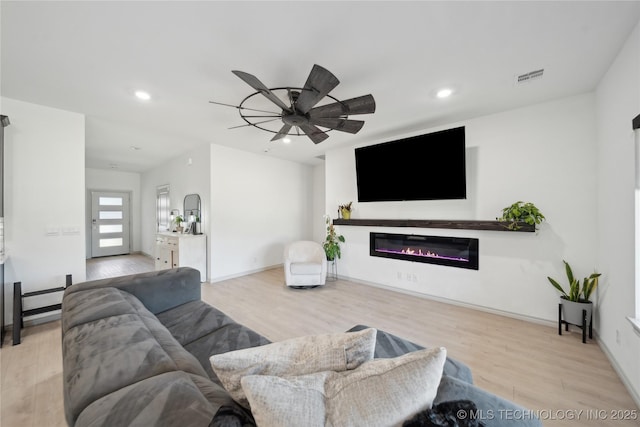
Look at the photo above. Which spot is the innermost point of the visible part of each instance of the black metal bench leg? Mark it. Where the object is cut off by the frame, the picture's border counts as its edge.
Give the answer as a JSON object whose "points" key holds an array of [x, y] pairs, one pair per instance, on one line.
{"points": [[560, 319], [17, 312], [591, 327]]}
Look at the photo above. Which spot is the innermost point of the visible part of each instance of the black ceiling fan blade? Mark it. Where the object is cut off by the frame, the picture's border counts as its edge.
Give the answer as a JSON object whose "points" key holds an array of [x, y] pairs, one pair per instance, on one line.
{"points": [[242, 108], [336, 123], [361, 105], [315, 134], [253, 124], [284, 131], [319, 83], [253, 81]]}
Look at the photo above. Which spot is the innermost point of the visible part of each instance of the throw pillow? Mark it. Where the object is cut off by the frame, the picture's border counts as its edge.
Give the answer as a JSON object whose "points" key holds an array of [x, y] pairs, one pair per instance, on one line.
{"points": [[381, 392], [297, 356]]}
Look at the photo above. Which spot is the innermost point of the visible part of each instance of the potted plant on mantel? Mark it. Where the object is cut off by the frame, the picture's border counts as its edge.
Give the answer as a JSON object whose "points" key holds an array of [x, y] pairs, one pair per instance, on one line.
{"points": [[345, 210], [520, 212], [576, 300]]}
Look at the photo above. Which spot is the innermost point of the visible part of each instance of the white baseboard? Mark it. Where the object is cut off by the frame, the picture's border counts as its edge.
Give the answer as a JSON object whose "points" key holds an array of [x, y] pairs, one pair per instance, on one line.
{"points": [[616, 367], [244, 273]]}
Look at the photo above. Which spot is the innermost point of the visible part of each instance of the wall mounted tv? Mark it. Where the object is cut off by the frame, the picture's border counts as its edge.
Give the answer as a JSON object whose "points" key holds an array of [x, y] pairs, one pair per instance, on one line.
{"points": [[424, 167]]}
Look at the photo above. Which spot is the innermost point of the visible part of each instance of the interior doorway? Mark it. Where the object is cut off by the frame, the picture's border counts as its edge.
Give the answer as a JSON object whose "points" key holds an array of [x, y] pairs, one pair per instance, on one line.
{"points": [[110, 223]]}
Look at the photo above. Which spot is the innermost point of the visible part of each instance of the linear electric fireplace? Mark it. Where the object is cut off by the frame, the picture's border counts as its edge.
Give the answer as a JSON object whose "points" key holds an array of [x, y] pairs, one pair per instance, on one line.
{"points": [[450, 251]]}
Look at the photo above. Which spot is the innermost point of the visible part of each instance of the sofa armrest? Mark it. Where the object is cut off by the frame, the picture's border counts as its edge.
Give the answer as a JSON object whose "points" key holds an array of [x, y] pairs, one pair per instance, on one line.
{"points": [[157, 290]]}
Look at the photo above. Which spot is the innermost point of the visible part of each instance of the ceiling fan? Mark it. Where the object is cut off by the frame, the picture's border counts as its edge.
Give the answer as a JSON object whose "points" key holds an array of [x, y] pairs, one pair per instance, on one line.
{"points": [[300, 111]]}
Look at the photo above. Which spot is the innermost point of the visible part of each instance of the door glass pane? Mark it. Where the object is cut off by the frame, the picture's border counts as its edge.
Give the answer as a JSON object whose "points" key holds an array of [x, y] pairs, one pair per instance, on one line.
{"points": [[110, 201], [115, 228], [107, 243], [110, 214]]}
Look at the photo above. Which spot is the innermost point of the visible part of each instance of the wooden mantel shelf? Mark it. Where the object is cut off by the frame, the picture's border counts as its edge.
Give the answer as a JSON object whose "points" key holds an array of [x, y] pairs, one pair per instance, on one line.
{"points": [[463, 224]]}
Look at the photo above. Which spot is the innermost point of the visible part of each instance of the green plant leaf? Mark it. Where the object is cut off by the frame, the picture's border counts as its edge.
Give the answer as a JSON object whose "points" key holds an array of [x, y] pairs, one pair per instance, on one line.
{"points": [[568, 270], [557, 286]]}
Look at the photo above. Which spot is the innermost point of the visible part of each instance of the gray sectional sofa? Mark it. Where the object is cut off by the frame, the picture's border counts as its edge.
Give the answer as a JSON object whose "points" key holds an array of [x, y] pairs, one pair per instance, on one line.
{"points": [[136, 352]]}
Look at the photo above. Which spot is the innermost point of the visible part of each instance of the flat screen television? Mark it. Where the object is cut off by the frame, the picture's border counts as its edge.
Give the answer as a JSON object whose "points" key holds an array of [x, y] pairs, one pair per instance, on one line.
{"points": [[423, 167]]}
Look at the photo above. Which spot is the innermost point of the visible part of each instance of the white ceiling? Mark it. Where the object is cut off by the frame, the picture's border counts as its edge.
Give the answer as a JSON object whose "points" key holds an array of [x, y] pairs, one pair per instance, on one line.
{"points": [[89, 57]]}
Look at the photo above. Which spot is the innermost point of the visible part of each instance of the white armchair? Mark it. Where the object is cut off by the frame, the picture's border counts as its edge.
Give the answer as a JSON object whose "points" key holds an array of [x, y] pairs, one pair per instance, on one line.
{"points": [[305, 264]]}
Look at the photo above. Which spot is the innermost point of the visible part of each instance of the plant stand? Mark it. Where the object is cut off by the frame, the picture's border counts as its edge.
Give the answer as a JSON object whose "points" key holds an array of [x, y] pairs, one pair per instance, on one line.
{"points": [[583, 326], [332, 270]]}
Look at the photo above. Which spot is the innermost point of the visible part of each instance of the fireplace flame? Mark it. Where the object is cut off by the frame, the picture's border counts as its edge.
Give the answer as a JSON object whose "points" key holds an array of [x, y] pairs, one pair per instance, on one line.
{"points": [[419, 252], [410, 251]]}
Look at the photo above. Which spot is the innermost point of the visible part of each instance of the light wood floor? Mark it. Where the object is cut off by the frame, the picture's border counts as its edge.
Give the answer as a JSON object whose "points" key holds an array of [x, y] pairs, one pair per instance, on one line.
{"points": [[119, 265], [521, 361], [524, 362]]}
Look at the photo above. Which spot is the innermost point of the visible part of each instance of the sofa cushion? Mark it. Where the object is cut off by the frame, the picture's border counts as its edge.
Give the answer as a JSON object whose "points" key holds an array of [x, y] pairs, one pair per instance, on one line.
{"points": [[232, 336], [192, 321], [84, 307], [305, 268], [169, 399], [103, 355], [297, 356], [159, 290], [381, 392]]}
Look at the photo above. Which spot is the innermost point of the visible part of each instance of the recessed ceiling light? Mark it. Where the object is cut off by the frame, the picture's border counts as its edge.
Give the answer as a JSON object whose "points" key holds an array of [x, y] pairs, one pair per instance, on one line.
{"points": [[444, 93], [286, 140], [140, 94]]}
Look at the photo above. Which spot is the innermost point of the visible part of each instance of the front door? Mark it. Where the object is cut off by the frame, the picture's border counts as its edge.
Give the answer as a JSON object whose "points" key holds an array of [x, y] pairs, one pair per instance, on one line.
{"points": [[109, 223]]}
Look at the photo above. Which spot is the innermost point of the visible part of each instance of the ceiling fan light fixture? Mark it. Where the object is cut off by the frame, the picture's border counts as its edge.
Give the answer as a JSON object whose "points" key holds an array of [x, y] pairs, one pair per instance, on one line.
{"points": [[444, 93], [142, 95]]}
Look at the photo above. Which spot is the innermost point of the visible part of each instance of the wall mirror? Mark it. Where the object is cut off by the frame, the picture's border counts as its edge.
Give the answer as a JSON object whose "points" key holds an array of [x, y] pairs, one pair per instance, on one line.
{"points": [[163, 219], [192, 212]]}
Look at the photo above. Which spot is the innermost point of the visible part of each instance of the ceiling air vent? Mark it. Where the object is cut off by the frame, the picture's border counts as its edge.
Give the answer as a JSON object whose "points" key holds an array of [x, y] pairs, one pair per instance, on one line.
{"points": [[530, 76]]}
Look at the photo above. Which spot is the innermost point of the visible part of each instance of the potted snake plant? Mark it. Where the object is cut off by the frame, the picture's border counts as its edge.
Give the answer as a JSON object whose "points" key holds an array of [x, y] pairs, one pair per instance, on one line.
{"points": [[578, 296]]}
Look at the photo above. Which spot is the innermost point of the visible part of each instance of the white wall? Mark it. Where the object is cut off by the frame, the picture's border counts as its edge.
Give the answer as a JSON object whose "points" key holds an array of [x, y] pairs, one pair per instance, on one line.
{"points": [[544, 154], [112, 180], [618, 102], [44, 191], [318, 225], [258, 205], [188, 173]]}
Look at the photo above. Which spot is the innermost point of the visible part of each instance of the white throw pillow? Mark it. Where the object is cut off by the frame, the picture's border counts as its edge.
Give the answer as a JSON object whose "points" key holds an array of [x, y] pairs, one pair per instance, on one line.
{"points": [[381, 392], [297, 356]]}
